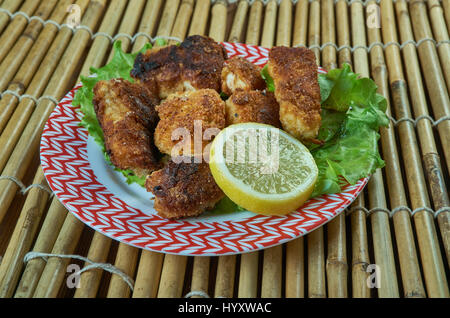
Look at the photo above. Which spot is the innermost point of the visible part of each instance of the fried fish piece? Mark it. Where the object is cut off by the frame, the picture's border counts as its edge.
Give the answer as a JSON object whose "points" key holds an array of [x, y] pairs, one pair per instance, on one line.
{"points": [[253, 106], [294, 71], [195, 64], [184, 114], [239, 73], [183, 189], [126, 113]]}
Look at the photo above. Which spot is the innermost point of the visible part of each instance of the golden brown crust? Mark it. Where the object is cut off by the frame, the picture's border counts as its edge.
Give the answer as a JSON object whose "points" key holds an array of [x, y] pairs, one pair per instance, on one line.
{"points": [[183, 189], [126, 112], [239, 73], [181, 113], [195, 64], [294, 71], [253, 106]]}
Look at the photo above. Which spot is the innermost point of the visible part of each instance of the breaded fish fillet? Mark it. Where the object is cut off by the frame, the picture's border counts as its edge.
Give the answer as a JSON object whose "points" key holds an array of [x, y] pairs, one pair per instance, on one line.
{"points": [[294, 71], [239, 73], [183, 114], [195, 64], [253, 106], [126, 113], [184, 189]]}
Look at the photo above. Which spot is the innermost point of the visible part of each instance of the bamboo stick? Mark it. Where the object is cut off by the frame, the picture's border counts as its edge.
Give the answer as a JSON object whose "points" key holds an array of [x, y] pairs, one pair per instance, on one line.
{"points": [[22, 237], [200, 17], [226, 271], [55, 269], [17, 53], [382, 241], [295, 269], [200, 274], [301, 23], [254, 23], [248, 275], [237, 28], [343, 33], [431, 258], [328, 35], [15, 27], [359, 39], [272, 272], [270, 23], [168, 18], [172, 276], [218, 18], [314, 29], [148, 275], [126, 260], [440, 35], [182, 20], [148, 23], [11, 6], [432, 73], [316, 264], [129, 24], [446, 5], [336, 263], [90, 280], [360, 249], [44, 243], [284, 29], [18, 161], [101, 44]]}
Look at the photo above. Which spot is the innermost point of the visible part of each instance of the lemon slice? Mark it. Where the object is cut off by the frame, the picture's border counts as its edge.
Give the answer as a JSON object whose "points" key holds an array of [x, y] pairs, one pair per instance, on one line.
{"points": [[262, 168]]}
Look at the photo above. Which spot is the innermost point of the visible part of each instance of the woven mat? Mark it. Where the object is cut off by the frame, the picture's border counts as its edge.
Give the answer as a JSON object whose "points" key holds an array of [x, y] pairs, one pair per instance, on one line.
{"points": [[394, 241]]}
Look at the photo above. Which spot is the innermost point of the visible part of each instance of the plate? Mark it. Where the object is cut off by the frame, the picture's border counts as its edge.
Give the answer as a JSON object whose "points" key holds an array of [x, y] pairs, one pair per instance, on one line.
{"points": [[99, 196]]}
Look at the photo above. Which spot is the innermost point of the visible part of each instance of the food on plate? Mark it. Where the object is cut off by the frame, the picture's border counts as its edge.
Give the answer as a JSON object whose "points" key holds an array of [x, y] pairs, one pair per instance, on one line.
{"points": [[126, 113], [240, 74], [294, 72], [194, 64], [186, 119], [252, 106], [183, 189], [155, 113], [275, 183]]}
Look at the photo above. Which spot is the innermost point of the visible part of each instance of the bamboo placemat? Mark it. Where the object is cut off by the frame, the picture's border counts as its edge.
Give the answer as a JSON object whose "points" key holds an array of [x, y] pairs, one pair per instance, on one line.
{"points": [[396, 234]]}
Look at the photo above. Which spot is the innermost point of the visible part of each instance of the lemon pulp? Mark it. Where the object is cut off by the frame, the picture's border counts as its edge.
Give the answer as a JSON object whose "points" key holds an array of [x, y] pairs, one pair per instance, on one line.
{"points": [[263, 169]]}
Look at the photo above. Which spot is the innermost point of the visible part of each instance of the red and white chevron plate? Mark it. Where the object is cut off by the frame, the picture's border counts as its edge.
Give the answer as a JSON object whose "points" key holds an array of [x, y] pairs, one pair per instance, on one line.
{"points": [[69, 172]]}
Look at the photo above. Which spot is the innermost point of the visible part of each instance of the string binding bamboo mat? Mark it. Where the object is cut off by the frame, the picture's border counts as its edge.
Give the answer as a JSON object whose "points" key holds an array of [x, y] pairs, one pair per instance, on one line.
{"points": [[398, 228]]}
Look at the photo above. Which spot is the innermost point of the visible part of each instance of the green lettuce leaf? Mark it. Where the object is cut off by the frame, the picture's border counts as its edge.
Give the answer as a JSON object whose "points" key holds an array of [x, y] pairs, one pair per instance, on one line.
{"points": [[269, 80], [120, 66], [352, 114]]}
